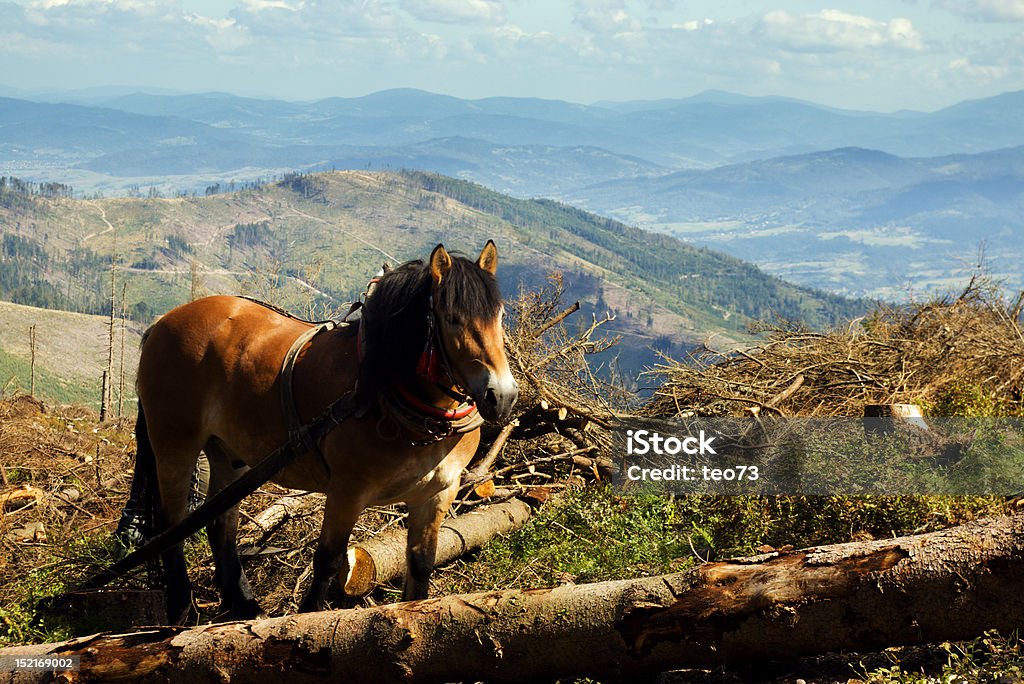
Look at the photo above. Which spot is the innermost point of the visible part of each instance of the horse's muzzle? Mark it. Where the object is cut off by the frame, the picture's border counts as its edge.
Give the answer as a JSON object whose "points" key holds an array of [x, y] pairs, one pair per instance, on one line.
{"points": [[496, 400]]}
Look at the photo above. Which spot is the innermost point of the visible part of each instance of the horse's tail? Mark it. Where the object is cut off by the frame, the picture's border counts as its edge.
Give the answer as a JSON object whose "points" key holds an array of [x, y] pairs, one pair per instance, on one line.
{"points": [[137, 518]]}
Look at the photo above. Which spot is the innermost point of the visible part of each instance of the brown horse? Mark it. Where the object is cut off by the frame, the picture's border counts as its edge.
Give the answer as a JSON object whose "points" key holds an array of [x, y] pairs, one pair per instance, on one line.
{"points": [[431, 351]]}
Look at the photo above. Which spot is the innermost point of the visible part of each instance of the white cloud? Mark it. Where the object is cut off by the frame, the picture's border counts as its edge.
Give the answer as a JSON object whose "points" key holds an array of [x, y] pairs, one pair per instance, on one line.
{"points": [[222, 34], [833, 30], [307, 21], [472, 12], [978, 72], [510, 43], [662, 5], [260, 5], [985, 10], [604, 16], [693, 25]]}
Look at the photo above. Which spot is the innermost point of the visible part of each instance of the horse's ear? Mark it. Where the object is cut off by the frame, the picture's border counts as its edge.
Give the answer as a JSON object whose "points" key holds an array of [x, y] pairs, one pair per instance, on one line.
{"points": [[440, 264], [489, 258]]}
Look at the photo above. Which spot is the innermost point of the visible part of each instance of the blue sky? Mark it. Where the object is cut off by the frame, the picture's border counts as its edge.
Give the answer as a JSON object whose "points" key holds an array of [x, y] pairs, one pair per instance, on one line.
{"points": [[902, 54]]}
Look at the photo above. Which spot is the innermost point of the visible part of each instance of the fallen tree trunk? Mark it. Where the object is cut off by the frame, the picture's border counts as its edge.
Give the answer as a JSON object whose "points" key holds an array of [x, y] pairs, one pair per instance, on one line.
{"points": [[947, 585], [382, 559]]}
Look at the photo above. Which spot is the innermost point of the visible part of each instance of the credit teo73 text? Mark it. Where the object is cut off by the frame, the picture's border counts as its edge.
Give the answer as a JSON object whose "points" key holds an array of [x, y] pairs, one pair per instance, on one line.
{"points": [[680, 473], [644, 442]]}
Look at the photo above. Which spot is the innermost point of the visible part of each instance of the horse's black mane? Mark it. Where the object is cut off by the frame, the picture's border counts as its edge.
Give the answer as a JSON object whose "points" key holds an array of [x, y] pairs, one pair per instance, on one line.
{"points": [[396, 314]]}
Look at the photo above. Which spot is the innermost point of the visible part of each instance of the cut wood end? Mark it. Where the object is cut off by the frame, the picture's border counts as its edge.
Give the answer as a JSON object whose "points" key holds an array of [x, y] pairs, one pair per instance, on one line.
{"points": [[21, 497], [892, 411], [362, 573]]}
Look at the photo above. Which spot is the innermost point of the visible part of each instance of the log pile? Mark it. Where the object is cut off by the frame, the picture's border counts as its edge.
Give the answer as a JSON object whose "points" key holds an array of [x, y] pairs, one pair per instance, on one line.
{"points": [[926, 354]]}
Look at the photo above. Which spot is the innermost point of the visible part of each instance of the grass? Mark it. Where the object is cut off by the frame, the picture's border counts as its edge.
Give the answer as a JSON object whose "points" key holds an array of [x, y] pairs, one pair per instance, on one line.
{"points": [[15, 376], [989, 659], [593, 534], [70, 354]]}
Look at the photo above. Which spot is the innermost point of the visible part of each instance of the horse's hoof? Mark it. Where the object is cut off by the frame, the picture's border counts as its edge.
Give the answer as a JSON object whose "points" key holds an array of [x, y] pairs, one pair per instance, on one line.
{"points": [[187, 617]]}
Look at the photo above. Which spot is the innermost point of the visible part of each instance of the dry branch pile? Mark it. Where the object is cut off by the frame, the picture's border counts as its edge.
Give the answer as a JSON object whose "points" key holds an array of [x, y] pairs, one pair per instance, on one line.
{"points": [[920, 354], [60, 471]]}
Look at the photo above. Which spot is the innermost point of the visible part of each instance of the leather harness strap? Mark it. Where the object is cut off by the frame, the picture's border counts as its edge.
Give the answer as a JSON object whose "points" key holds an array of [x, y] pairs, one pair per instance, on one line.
{"points": [[410, 414], [291, 414]]}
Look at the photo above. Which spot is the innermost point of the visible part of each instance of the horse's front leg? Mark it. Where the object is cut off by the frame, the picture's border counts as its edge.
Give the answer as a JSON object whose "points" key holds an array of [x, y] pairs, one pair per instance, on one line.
{"points": [[331, 557], [421, 549]]}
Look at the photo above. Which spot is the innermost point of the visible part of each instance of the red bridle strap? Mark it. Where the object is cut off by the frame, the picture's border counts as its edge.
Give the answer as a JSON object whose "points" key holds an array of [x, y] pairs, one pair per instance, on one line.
{"points": [[432, 411]]}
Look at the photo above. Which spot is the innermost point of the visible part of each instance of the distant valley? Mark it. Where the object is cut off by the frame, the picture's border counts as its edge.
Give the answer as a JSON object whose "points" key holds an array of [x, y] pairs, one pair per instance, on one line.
{"points": [[851, 220]]}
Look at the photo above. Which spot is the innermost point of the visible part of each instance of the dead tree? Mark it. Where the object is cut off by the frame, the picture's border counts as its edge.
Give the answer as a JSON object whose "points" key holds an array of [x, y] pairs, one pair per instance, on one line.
{"points": [[32, 361], [860, 596]]}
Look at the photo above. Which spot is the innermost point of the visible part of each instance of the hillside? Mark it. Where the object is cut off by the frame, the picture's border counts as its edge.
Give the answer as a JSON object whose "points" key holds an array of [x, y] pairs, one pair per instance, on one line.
{"points": [[856, 202], [71, 353], [311, 242]]}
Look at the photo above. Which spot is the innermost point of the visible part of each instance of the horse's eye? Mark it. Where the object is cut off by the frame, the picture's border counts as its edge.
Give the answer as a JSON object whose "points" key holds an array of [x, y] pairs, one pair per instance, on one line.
{"points": [[454, 320]]}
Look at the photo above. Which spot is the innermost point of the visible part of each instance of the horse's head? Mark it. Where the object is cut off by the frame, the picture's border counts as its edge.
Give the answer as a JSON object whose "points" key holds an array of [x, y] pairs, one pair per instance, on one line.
{"points": [[468, 314]]}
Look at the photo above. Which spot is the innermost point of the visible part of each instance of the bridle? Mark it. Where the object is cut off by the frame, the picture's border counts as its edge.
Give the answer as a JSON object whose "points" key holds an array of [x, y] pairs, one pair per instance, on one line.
{"points": [[400, 401], [435, 367]]}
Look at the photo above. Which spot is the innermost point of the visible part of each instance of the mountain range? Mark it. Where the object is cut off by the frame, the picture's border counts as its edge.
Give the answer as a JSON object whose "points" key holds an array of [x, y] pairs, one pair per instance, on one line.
{"points": [[858, 202]]}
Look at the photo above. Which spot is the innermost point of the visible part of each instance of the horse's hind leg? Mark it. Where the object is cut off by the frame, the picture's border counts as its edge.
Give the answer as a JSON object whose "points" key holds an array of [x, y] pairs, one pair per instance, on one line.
{"points": [[421, 548], [174, 474], [236, 594], [175, 457]]}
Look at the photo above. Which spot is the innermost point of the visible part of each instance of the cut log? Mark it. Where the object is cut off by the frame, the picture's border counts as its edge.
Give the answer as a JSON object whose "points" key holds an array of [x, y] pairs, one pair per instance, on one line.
{"points": [[904, 415], [861, 596], [382, 559], [921, 442]]}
